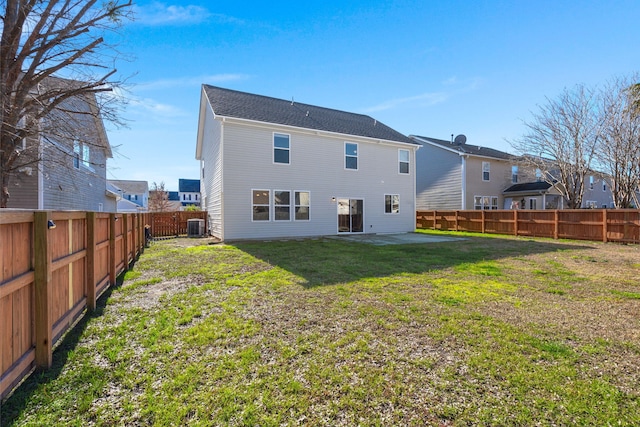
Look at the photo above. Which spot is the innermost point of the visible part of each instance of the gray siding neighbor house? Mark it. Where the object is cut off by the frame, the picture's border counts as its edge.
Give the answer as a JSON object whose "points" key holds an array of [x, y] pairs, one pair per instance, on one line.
{"points": [[134, 195], [454, 175], [274, 168], [66, 171]]}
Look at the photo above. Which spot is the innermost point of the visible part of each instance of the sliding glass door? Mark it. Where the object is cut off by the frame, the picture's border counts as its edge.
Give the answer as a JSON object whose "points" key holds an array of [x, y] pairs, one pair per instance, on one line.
{"points": [[350, 215]]}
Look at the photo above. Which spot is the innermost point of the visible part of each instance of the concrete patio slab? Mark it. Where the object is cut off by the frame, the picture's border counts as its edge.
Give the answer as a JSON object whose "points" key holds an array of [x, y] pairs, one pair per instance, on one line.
{"points": [[395, 239]]}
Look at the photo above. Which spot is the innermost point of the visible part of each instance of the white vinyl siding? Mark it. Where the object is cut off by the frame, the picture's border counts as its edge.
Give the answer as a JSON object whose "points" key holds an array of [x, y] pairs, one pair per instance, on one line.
{"points": [[319, 170]]}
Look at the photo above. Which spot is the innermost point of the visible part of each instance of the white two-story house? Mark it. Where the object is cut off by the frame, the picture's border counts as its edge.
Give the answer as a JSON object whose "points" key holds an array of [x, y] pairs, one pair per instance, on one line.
{"points": [[275, 168]]}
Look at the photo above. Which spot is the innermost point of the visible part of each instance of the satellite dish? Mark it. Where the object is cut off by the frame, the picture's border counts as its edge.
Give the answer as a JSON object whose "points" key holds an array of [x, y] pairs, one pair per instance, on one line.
{"points": [[460, 139]]}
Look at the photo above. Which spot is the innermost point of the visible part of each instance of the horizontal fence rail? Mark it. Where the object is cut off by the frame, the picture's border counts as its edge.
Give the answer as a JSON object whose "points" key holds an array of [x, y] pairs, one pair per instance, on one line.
{"points": [[606, 225], [169, 224], [53, 266]]}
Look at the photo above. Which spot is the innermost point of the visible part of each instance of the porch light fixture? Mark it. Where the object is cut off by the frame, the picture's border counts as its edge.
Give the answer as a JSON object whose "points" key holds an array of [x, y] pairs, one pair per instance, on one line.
{"points": [[51, 225], [333, 199]]}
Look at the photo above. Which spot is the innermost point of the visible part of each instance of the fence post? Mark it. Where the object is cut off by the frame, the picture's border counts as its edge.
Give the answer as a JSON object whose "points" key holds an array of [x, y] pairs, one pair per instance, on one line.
{"points": [[125, 240], [604, 225], [112, 249], [91, 261], [556, 224], [435, 217], [457, 214], [515, 222], [42, 284], [483, 225]]}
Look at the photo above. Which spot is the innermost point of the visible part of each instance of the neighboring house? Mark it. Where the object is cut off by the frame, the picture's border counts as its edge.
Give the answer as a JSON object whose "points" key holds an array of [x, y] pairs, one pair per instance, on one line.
{"points": [[597, 192], [134, 195], [189, 192], [174, 201], [65, 170], [276, 168], [454, 175]]}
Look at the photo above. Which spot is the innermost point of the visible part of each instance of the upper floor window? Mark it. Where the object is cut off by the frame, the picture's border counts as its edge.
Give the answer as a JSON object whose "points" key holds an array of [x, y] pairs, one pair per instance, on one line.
{"points": [[591, 180], [538, 175], [486, 168], [81, 153], [604, 185], [281, 148], [403, 161], [76, 154], [351, 155], [514, 174]]}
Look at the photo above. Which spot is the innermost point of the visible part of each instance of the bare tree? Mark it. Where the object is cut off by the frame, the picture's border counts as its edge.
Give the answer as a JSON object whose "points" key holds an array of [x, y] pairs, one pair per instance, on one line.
{"points": [[618, 151], [54, 69], [158, 198], [561, 142]]}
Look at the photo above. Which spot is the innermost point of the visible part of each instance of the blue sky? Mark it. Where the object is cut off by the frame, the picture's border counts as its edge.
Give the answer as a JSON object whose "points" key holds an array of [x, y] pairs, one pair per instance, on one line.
{"points": [[431, 68]]}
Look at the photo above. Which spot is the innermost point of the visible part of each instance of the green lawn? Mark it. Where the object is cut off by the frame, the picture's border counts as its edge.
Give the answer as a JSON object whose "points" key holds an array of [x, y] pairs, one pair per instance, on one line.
{"points": [[483, 331]]}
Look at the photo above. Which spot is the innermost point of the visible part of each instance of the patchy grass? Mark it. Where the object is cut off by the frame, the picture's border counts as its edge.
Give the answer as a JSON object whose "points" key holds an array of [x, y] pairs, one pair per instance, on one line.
{"points": [[485, 331]]}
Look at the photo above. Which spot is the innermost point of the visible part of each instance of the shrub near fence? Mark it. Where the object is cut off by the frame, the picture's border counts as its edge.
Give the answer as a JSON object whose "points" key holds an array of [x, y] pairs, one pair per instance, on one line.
{"points": [[606, 225], [49, 275]]}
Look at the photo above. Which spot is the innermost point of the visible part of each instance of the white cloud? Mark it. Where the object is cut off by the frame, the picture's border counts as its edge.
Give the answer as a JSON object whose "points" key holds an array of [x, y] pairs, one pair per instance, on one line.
{"points": [[162, 14], [430, 98], [189, 81], [454, 85], [155, 108]]}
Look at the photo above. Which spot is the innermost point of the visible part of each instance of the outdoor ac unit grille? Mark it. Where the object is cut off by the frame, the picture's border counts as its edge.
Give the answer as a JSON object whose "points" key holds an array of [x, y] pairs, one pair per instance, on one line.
{"points": [[195, 227]]}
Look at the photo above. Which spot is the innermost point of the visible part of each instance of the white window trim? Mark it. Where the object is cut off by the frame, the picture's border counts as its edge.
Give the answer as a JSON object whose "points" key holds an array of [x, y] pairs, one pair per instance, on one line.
{"points": [[251, 204], [273, 200], [345, 155], [274, 148], [293, 216], [408, 162], [385, 205], [488, 171]]}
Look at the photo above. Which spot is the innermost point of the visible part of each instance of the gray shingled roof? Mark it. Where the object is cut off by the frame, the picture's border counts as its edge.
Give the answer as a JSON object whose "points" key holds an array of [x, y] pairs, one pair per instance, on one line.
{"points": [[528, 186], [131, 187], [468, 148], [242, 105], [189, 185]]}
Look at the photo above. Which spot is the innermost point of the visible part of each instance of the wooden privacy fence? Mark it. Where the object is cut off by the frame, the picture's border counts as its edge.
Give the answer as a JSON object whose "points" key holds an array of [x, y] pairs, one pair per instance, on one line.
{"points": [[165, 224], [606, 225], [53, 265]]}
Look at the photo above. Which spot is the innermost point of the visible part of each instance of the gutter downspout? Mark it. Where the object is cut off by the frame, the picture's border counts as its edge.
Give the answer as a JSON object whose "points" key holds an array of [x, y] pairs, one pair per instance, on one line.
{"points": [[464, 181]]}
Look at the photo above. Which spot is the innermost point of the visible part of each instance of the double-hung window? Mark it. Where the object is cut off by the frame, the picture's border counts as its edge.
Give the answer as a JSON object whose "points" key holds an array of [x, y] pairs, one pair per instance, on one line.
{"points": [[302, 203], [486, 168], [81, 154], [351, 155], [403, 161], [260, 205], [76, 154], [392, 203], [514, 174], [282, 205], [281, 148]]}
